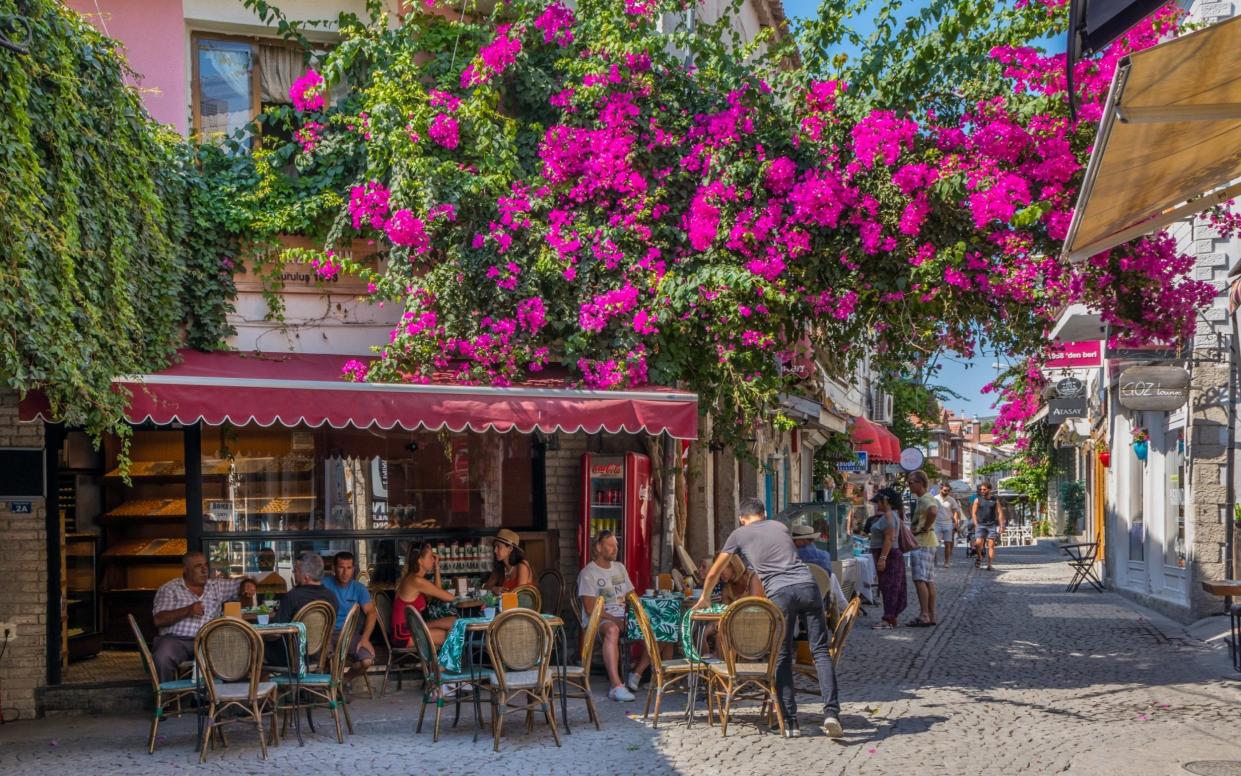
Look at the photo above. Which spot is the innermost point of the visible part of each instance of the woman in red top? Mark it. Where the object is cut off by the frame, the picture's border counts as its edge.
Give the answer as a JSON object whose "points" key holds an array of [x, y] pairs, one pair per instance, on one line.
{"points": [[512, 569], [414, 589]]}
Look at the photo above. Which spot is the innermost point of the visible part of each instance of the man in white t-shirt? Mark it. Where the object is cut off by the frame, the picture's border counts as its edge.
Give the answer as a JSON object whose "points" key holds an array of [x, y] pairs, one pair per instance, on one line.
{"points": [[607, 578], [947, 520]]}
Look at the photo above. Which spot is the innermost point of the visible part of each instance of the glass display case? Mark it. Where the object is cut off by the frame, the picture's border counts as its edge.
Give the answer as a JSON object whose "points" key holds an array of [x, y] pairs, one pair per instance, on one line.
{"points": [[380, 561], [258, 480], [830, 514]]}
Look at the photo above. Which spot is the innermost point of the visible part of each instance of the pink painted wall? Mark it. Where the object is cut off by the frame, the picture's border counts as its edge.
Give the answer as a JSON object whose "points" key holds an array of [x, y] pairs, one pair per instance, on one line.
{"points": [[152, 34]]}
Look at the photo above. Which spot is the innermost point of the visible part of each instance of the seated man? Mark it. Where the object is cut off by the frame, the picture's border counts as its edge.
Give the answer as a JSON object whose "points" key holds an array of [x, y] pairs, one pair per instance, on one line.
{"points": [[308, 574], [349, 592], [804, 537], [607, 578], [182, 606]]}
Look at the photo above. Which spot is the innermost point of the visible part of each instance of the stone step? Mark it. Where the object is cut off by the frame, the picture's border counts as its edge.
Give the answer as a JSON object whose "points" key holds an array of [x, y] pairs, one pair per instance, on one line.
{"points": [[120, 697]]}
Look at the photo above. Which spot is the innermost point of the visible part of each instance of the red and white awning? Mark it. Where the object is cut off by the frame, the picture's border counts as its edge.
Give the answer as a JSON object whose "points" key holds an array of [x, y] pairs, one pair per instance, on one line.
{"points": [[292, 389], [879, 443]]}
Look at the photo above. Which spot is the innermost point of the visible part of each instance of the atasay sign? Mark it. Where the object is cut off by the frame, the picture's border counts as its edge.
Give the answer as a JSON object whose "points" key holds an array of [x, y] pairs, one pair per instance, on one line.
{"points": [[1154, 388]]}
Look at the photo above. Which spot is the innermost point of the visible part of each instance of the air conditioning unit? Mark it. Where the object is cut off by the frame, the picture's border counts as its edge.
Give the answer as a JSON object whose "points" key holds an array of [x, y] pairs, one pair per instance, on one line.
{"points": [[881, 407]]}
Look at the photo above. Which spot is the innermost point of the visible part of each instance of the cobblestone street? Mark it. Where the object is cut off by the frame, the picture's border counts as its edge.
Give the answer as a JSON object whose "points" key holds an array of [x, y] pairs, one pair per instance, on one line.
{"points": [[1019, 677]]}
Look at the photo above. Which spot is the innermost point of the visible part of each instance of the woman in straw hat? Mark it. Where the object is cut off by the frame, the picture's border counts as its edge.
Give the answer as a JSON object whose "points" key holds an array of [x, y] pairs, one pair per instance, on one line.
{"points": [[512, 570]]}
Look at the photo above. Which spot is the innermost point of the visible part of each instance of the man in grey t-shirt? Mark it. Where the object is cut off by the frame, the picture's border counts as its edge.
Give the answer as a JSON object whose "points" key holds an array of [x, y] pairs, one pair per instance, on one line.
{"points": [[769, 550]]}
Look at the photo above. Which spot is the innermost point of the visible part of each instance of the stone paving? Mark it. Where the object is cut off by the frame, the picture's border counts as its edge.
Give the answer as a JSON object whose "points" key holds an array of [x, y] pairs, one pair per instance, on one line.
{"points": [[1019, 677]]}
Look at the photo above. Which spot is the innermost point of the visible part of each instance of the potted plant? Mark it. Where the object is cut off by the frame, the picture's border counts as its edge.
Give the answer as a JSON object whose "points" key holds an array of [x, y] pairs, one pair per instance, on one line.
{"points": [[1141, 443], [263, 613], [1105, 455]]}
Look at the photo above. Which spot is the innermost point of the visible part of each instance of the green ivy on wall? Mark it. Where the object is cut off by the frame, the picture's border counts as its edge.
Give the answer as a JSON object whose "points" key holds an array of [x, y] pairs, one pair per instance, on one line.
{"points": [[112, 248]]}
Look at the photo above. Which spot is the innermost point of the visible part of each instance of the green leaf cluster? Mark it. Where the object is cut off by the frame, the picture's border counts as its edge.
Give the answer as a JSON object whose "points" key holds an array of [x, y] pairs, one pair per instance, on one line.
{"points": [[110, 251]]}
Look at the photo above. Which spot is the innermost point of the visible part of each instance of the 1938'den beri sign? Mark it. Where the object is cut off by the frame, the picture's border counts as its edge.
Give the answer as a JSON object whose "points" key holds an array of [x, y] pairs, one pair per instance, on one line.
{"points": [[1154, 388]]}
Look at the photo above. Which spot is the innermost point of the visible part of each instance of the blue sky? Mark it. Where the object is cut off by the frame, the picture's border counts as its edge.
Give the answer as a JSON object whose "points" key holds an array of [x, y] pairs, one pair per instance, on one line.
{"points": [[964, 376]]}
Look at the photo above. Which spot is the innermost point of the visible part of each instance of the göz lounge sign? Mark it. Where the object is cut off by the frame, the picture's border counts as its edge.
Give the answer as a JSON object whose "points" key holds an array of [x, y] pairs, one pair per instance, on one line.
{"points": [[1155, 388]]}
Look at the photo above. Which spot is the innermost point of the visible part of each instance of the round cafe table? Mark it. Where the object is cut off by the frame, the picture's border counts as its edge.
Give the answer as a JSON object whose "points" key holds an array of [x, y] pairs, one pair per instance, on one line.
{"points": [[694, 644]]}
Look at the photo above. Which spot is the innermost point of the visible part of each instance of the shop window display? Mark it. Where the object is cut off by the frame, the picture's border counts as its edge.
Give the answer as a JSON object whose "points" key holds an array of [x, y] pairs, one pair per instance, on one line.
{"points": [[258, 480]]}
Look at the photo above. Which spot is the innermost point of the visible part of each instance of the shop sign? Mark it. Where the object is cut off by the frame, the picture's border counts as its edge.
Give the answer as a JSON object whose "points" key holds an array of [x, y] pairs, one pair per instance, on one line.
{"points": [[1060, 410], [911, 458], [860, 463], [1070, 388], [1075, 355], [1154, 388], [219, 511]]}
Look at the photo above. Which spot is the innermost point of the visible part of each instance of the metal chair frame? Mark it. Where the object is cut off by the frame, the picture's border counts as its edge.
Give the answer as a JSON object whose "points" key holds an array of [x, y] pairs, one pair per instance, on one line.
{"points": [[556, 604], [326, 689], [728, 683], [434, 680], [840, 634], [397, 659], [165, 694], [528, 697], [663, 674], [256, 705], [529, 597], [581, 681]]}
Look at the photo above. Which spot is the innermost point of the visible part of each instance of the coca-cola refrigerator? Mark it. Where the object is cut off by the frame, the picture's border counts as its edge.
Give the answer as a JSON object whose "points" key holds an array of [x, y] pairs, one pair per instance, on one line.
{"points": [[616, 496]]}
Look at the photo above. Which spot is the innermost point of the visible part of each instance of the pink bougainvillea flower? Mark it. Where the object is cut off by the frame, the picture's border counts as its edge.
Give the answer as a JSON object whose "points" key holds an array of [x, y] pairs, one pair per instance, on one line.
{"points": [[355, 370], [443, 130], [493, 58], [405, 229], [556, 22], [307, 92], [368, 205]]}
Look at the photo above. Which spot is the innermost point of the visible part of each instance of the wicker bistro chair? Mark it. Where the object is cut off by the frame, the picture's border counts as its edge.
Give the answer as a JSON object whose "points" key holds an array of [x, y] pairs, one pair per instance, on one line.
{"points": [[324, 689], [551, 590], [394, 659], [664, 673], [319, 618], [167, 694], [803, 663], [577, 678], [435, 680], [519, 642], [529, 597], [229, 655], [821, 578], [750, 634]]}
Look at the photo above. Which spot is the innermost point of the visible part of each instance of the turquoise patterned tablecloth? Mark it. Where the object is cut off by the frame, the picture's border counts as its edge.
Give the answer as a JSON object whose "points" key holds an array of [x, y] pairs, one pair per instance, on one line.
{"points": [[664, 613], [687, 632], [453, 649], [301, 640]]}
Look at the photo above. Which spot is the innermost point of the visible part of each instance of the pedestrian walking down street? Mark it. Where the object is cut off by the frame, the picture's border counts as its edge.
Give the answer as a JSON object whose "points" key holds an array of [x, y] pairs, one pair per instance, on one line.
{"points": [[988, 525], [948, 522], [886, 550], [768, 549], [922, 560]]}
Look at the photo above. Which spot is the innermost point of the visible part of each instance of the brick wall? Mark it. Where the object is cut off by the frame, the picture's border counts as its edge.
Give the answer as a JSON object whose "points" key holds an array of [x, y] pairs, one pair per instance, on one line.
{"points": [[23, 591]]}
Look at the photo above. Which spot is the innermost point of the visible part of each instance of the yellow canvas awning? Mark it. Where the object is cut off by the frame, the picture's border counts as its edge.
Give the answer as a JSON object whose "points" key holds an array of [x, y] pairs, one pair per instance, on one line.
{"points": [[1169, 142]]}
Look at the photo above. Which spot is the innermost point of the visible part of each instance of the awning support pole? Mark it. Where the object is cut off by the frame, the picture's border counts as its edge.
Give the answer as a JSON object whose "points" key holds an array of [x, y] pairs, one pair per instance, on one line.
{"points": [[670, 503]]}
